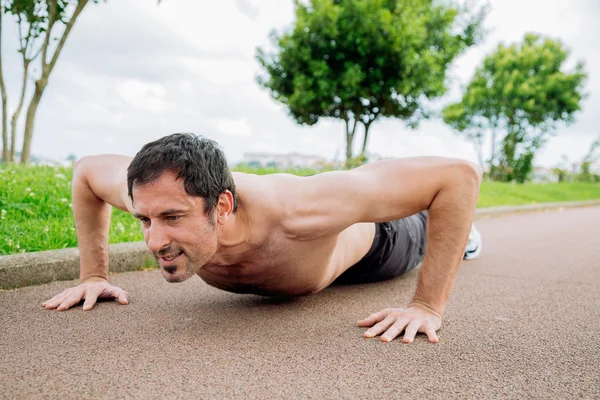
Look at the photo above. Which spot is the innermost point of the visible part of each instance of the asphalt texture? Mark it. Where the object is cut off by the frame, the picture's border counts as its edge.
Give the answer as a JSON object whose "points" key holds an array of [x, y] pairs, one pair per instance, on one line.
{"points": [[522, 322]]}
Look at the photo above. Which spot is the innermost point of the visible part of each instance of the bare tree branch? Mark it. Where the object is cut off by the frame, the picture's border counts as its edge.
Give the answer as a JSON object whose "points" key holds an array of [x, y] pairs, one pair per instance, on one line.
{"points": [[80, 5], [19, 31], [51, 20]]}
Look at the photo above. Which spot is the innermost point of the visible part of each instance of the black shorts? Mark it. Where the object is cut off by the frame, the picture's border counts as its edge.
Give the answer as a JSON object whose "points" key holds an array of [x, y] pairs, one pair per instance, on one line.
{"points": [[398, 247]]}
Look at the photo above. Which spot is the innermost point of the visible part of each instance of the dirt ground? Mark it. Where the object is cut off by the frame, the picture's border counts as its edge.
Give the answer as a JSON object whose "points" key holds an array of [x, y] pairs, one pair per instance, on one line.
{"points": [[522, 323]]}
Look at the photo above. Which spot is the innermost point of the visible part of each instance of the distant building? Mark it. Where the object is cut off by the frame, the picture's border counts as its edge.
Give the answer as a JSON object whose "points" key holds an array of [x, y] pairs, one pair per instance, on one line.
{"points": [[37, 160], [282, 161]]}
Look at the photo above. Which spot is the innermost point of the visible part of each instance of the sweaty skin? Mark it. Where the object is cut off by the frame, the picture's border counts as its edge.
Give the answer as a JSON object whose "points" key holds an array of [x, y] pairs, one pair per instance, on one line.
{"points": [[289, 236]]}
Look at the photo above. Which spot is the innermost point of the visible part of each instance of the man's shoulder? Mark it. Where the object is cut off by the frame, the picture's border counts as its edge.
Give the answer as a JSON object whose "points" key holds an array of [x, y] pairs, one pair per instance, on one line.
{"points": [[271, 200], [299, 206], [265, 185]]}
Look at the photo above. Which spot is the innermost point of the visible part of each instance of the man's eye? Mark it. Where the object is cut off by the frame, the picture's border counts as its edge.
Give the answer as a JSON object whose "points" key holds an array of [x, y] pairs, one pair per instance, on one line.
{"points": [[173, 217], [144, 220]]}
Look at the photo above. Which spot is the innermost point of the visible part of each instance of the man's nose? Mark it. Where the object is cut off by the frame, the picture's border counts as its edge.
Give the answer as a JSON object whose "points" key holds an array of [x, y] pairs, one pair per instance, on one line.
{"points": [[156, 239]]}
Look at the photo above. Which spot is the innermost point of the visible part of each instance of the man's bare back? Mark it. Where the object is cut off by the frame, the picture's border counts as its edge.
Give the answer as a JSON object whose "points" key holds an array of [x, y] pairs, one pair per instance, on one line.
{"points": [[277, 234]]}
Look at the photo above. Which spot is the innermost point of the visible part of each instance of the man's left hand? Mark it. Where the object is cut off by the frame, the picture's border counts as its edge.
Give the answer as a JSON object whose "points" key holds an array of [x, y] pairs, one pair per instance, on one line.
{"points": [[412, 318]]}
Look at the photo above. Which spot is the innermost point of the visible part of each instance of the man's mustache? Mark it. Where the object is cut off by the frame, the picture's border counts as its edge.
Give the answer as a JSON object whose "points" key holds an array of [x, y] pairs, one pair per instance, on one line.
{"points": [[168, 251]]}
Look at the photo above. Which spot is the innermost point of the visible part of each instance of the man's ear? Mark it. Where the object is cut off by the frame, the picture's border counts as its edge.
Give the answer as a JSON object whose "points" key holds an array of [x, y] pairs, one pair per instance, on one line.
{"points": [[224, 206]]}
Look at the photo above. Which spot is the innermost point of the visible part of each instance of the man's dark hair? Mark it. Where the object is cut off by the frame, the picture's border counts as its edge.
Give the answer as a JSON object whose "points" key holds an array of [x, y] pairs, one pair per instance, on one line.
{"points": [[198, 160]]}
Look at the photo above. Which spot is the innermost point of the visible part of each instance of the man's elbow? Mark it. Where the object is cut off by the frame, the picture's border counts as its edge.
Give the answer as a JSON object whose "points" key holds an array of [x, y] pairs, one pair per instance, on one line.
{"points": [[470, 175], [478, 172]]}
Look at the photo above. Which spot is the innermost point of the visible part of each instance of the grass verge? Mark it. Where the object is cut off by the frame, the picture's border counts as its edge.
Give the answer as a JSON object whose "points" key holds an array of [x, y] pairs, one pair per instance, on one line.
{"points": [[35, 206]]}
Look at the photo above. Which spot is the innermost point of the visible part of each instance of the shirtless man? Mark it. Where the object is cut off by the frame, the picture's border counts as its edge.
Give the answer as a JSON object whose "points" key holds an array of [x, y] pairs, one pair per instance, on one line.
{"points": [[280, 234]]}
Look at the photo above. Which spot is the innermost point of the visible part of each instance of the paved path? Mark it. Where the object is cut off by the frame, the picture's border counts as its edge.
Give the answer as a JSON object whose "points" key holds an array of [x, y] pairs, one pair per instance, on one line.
{"points": [[523, 322]]}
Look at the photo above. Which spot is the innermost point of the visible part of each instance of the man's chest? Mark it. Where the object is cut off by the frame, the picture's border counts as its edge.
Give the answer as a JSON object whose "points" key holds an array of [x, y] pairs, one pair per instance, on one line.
{"points": [[291, 267], [282, 267]]}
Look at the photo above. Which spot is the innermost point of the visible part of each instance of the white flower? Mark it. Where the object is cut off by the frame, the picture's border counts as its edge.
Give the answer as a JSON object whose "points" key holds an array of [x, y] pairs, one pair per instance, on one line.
{"points": [[18, 247], [2, 214], [120, 227], [28, 189], [63, 200], [31, 194], [46, 229], [60, 176]]}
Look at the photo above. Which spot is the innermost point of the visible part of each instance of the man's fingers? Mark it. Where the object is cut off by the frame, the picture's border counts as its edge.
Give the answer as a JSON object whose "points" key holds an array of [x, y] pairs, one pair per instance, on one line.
{"points": [[432, 335], [90, 291], [90, 300], [118, 294], [122, 297], [380, 327], [411, 331], [69, 302], [55, 298], [394, 330], [371, 319], [56, 301]]}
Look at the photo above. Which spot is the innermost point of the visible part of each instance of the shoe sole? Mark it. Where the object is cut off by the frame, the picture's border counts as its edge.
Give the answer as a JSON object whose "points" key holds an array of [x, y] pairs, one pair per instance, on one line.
{"points": [[469, 255]]}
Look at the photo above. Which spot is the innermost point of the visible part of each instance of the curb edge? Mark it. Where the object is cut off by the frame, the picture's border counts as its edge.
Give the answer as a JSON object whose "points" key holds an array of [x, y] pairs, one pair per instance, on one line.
{"points": [[28, 269]]}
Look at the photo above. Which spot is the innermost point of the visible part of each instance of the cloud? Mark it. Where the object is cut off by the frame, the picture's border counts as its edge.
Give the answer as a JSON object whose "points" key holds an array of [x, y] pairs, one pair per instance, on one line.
{"points": [[133, 71], [234, 128], [222, 72], [247, 9], [144, 96]]}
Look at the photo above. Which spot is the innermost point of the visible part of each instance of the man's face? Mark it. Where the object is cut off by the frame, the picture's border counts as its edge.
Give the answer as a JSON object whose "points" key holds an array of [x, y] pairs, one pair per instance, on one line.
{"points": [[175, 228]]}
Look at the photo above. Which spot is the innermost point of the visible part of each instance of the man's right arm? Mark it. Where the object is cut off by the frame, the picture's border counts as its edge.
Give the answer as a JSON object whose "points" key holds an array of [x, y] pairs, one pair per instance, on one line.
{"points": [[99, 182]]}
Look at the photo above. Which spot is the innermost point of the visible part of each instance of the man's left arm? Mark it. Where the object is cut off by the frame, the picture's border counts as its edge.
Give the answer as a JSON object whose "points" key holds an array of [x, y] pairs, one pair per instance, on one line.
{"points": [[388, 190], [449, 221]]}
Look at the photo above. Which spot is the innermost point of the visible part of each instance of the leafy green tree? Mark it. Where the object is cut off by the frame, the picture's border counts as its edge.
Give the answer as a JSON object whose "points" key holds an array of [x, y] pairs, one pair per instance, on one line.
{"points": [[358, 60], [519, 95]]}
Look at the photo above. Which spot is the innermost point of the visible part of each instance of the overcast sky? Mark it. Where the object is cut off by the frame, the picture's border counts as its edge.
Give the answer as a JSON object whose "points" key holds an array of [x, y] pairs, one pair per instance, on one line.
{"points": [[133, 71]]}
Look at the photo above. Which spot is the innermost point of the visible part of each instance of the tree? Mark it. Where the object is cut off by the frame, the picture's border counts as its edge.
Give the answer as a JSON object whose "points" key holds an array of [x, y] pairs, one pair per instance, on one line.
{"points": [[592, 156], [5, 150], [562, 170], [518, 95], [41, 23], [57, 12], [43, 27], [359, 60], [30, 27]]}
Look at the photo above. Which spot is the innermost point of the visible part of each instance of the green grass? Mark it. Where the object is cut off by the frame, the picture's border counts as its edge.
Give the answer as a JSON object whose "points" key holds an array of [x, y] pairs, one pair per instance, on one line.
{"points": [[494, 194], [35, 212]]}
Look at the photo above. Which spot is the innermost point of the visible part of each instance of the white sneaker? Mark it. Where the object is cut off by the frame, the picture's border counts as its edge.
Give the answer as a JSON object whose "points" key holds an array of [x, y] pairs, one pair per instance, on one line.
{"points": [[473, 245]]}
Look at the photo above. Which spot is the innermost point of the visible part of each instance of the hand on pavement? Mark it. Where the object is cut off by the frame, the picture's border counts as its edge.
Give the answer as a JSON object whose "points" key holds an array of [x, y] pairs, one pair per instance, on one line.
{"points": [[412, 318], [90, 290]]}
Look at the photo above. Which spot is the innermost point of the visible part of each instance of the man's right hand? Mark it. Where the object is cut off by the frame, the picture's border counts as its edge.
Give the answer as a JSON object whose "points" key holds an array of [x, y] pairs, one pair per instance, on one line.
{"points": [[90, 290]]}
